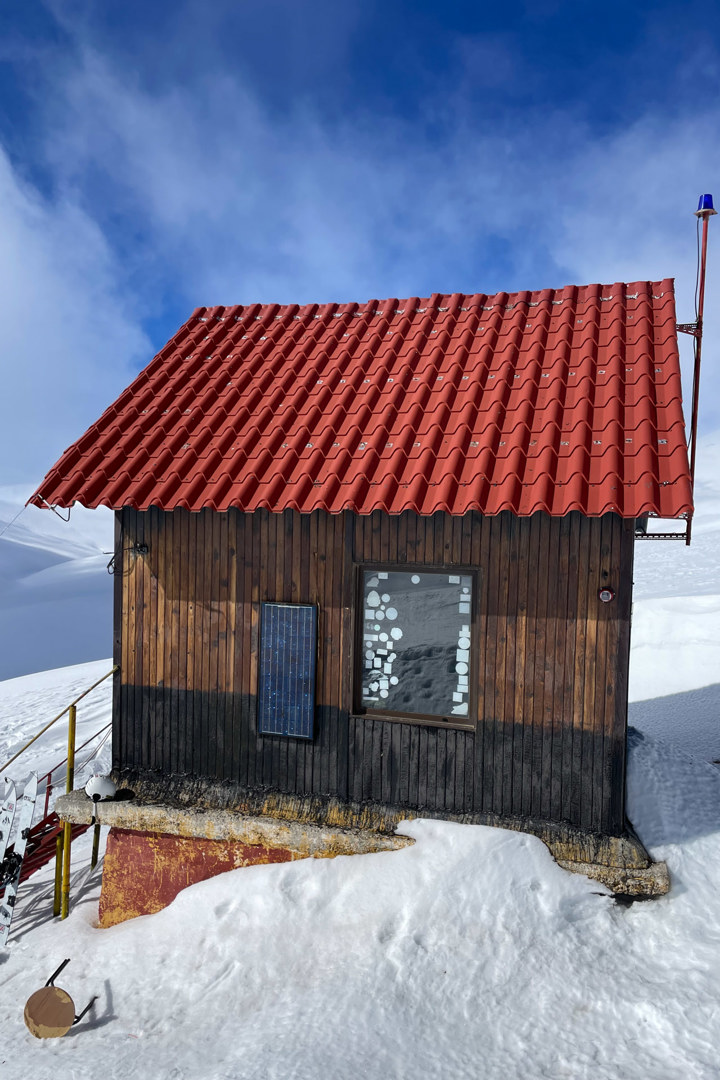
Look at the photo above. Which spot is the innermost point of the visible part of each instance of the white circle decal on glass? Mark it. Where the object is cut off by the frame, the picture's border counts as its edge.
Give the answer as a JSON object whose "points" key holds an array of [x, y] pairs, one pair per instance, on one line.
{"points": [[377, 625], [462, 669], [464, 643], [396, 633], [385, 597], [383, 637], [369, 655], [374, 687], [391, 613], [373, 599], [415, 579], [383, 693], [394, 680], [380, 615]]}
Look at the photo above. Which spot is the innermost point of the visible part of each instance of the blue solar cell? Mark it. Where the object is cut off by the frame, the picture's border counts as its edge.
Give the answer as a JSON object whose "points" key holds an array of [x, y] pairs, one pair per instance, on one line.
{"points": [[286, 677]]}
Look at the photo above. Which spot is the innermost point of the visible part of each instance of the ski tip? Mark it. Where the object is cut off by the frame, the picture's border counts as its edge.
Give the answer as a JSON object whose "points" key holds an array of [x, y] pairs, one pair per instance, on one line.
{"points": [[30, 789]]}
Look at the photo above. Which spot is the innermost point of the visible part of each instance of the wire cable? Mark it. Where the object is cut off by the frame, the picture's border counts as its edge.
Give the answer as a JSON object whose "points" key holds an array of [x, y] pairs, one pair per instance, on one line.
{"points": [[11, 523], [97, 749]]}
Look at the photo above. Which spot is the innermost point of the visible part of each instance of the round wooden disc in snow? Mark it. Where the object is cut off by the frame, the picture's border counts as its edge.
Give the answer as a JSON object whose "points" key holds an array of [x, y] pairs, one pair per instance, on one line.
{"points": [[49, 1012]]}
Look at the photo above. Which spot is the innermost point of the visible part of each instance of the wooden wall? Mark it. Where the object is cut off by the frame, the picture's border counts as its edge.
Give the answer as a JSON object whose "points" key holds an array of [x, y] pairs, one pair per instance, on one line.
{"points": [[552, 665]]}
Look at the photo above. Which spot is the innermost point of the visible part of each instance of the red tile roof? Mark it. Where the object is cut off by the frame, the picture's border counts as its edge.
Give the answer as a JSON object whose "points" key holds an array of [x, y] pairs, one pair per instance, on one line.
{"points": [[554, 400]]}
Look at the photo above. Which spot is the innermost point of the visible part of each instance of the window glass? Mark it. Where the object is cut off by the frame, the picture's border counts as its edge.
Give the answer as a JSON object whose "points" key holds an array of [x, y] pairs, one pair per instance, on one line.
{"points": [[416, 642]]}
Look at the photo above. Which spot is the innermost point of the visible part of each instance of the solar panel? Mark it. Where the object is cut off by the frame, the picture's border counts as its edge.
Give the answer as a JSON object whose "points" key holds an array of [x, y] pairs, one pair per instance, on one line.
{"points": [[286, 676]]}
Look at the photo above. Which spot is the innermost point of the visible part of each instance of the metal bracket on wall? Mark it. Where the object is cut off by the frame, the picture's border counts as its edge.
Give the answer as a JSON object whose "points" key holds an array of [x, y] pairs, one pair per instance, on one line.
{"points": [[660, 536], [136, 549]]}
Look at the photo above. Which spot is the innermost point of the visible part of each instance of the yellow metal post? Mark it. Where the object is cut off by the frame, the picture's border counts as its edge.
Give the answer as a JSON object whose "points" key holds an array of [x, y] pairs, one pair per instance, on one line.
{"points": [[96, 846], [67, 828], [58, 874]]}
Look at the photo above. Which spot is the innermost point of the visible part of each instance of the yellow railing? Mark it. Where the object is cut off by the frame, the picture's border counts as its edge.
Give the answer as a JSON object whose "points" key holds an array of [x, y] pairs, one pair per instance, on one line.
{"points": [[58, 717], [61, 899]]}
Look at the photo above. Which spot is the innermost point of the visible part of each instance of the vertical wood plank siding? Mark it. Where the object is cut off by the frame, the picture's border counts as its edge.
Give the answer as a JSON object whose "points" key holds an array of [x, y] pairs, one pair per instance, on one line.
{"points": [[551, 659]]}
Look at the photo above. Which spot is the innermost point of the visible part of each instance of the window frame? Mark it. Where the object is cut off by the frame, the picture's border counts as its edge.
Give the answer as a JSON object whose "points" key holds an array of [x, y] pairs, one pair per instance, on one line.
{"points": [[358, 647]]}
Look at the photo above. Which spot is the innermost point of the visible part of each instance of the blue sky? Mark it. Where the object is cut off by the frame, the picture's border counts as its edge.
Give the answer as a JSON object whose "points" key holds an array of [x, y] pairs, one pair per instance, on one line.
{"points": [[158, 156]]}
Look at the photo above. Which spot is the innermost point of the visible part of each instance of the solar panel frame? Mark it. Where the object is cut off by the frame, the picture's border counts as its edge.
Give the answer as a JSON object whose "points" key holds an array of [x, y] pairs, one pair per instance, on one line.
{"points": [[287, 664]]}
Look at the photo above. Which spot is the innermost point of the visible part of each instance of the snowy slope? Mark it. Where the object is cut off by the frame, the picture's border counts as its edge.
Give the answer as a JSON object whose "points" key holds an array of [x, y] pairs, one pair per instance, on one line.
{"points": [[675, 654], [56, 605], [29, 702]]}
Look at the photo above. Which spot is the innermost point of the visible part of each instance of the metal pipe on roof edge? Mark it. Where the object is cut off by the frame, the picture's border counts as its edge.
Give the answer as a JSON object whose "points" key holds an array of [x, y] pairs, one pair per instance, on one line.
{"points": [[51, 507], [705, 211]]}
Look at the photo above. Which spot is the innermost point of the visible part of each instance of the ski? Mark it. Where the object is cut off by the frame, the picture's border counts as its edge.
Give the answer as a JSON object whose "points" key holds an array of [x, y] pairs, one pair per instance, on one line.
{"points": [[12, 863], [7, 815]]}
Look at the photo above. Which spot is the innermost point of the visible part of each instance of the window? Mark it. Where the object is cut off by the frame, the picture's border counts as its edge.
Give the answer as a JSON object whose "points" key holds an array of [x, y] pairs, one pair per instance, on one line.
{"points": [[416, 644]]}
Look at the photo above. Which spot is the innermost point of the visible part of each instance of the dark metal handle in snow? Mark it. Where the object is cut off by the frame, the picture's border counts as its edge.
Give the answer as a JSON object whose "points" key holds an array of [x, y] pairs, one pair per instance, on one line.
{"points": [[85, 1010], [53, 977]]}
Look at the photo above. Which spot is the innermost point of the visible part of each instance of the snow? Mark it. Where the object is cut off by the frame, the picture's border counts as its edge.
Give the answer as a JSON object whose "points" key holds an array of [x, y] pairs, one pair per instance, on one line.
{"points": [[470, 954], [56, 605], [30, 702]]}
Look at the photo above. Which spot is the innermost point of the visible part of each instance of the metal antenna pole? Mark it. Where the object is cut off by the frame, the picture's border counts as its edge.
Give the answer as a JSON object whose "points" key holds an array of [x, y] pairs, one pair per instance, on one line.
{"points": [[705, 211]]}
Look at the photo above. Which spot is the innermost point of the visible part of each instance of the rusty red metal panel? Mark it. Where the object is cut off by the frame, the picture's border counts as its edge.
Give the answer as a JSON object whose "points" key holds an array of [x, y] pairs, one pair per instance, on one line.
{"points": [[554, 400], [144, 872]]}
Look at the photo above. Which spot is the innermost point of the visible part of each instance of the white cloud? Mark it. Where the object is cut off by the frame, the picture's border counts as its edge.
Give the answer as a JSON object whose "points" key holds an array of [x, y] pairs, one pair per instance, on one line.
{"points": [[628, 215], [201, 194], [69, 342]]}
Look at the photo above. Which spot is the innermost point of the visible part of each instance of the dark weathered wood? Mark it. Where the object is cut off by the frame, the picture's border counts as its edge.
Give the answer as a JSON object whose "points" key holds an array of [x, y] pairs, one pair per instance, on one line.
{"points": [[243, 719], [349, 644], [403, 786], [578, 696], [178, 523], [502, 676], [547, 694], [230, 741], [601, 677], [519, 602], [334, 589], [616, 709], [191, 578], [548, 672], [139, 645], [119, 714], [415, 734], [533, 770], [486, 794], [127, 673], [568, 667], [558, 604]]}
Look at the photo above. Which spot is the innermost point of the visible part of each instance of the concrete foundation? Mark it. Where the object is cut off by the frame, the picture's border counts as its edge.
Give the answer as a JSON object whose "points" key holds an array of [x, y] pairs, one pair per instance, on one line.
{"points": [[154, 851], [644, 884], [155, 848]]}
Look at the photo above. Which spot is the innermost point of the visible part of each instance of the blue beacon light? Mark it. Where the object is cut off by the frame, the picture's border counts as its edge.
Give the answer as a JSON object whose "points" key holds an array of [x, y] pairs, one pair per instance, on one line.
{"points": [[705, 206]]}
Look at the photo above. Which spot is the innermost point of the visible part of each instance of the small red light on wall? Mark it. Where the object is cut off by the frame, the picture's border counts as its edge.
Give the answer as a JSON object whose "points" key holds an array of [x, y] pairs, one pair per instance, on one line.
{"points": [[606, 595]]}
